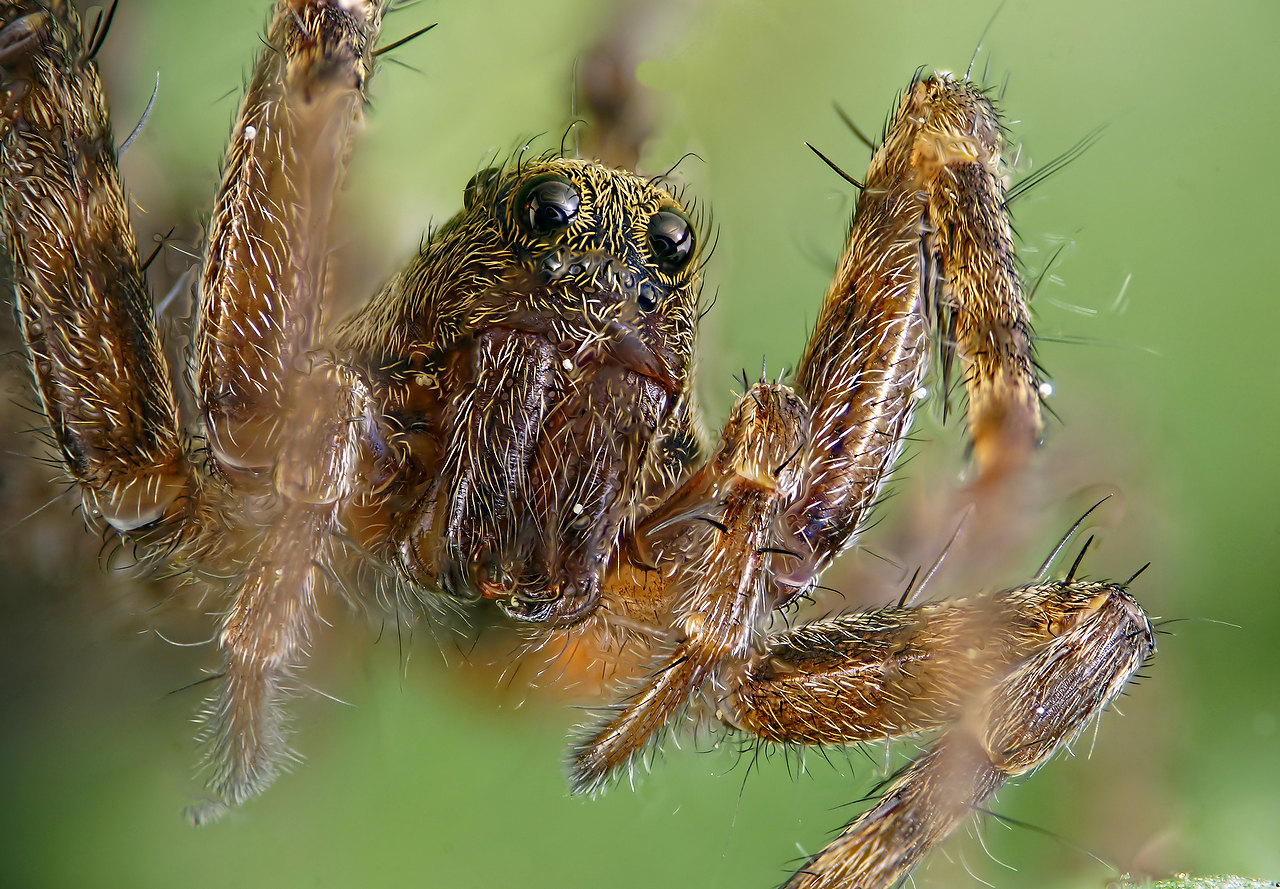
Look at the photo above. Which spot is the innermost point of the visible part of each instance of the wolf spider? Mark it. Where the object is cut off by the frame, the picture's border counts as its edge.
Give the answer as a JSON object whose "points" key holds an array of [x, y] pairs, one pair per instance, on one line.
{"points": [[511, 418]]}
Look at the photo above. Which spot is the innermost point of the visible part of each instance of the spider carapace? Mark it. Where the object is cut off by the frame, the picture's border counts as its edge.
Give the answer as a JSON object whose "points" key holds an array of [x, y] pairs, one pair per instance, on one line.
{"points": [[512, 418]]}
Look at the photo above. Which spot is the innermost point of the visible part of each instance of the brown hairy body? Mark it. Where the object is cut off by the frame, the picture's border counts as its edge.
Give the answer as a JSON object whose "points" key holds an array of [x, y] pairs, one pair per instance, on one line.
{"points": [[512, 418]]}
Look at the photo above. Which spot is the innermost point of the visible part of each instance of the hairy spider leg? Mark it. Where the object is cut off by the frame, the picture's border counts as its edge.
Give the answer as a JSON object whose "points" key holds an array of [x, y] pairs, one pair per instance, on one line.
{"points": [[910, 254], [287, 426], [80, 294], [1007, 678], [930, 243], [284, 424]]}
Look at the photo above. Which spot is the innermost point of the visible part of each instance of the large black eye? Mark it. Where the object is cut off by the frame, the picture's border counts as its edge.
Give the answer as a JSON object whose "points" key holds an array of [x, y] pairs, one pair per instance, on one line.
{"points": [[671, 241], [548, 205]]}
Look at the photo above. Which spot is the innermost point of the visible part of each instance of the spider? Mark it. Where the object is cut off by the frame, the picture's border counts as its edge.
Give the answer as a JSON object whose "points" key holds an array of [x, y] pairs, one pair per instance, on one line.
{"points": [[511, 420]]}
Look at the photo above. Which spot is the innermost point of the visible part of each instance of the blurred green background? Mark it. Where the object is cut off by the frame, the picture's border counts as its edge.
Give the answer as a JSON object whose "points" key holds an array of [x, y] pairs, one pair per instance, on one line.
{"points": [[1158, 318]]}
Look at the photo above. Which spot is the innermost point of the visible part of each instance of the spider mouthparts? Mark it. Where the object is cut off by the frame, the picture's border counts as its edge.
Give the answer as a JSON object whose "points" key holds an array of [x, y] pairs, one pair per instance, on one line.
{"points": [[453, 582], [565, 605], [630, 349]]}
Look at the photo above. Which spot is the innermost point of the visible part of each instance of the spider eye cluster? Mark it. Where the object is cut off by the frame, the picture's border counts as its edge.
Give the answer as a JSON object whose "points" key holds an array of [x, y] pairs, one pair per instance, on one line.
{"points": [[548, 205]]}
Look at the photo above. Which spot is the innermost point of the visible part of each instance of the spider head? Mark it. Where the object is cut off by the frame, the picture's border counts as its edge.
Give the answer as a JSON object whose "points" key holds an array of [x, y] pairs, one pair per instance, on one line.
{"points": [[600, 258], [555, 318]]}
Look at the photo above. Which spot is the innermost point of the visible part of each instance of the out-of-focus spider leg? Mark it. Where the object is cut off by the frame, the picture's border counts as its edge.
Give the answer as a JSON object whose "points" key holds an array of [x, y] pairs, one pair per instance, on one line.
{"points": [[618, 111], [81, 296], [1011, 677], [285, 424], [930, 240], [263, 278]]}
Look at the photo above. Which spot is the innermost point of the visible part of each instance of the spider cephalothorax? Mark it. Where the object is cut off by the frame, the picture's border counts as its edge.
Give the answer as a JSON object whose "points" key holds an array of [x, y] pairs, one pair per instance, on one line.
{"points": [[537, 352], [512, 418]]}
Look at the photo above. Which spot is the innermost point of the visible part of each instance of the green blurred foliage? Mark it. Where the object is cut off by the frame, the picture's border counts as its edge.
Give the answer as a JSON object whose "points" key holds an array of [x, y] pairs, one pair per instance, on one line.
{"points": [[1157, 320], [1224, 882]]}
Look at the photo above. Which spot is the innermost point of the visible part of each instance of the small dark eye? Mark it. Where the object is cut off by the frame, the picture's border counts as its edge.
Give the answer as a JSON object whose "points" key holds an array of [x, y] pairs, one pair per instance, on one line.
{"points": [[671, 241], [548, 205], [479, 184]]}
